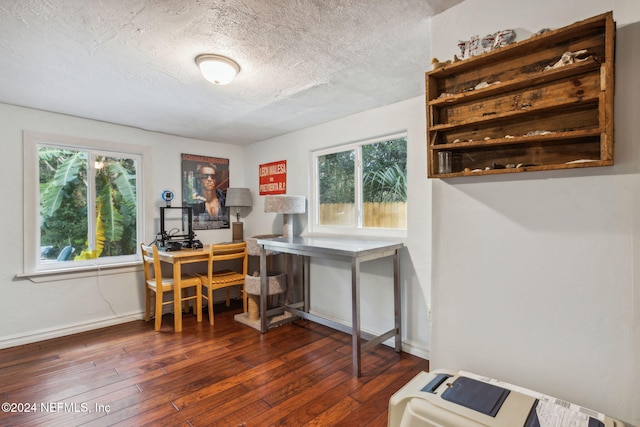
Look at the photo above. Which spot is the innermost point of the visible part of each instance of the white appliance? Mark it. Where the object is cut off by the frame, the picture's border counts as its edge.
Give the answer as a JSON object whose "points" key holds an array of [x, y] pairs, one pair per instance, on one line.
{"points": [[445, 398]]}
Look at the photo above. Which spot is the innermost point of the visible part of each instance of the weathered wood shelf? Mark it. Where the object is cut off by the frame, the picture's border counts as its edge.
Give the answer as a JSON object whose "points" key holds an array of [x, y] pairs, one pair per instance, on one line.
{"points": [[524, 113], [560, 137], [521, 82], [489, 118]]}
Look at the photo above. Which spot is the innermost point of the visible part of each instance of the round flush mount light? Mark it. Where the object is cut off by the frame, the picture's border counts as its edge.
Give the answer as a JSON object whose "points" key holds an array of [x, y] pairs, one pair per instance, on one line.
{"points": [[217, 69]]}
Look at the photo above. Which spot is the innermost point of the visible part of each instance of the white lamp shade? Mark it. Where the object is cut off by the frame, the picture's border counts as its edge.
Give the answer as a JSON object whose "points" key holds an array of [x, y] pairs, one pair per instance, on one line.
{"points": [[238, 197], [217, 69]]}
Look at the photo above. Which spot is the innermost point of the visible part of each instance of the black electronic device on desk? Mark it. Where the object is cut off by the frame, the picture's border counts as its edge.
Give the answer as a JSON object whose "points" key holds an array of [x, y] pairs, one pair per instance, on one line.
{"points": [[176, 229]]}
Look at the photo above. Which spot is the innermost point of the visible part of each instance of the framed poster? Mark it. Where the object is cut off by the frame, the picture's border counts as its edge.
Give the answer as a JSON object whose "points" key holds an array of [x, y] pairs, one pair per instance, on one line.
{"points": [[204, 187], [273, 178]]}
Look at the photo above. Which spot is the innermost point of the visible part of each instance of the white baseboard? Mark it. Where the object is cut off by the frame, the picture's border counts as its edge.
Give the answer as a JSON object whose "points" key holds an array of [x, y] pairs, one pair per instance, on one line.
{"points": [[46, 334], [416, 350]]}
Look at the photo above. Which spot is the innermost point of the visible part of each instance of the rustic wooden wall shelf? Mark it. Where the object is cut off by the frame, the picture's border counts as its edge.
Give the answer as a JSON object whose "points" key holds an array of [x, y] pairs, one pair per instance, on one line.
{"points": [[525, 116]]}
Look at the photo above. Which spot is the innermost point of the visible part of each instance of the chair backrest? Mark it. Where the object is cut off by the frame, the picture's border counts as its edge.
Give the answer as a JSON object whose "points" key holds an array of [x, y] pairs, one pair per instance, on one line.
{"points": [[151, 264], [227, 252]]}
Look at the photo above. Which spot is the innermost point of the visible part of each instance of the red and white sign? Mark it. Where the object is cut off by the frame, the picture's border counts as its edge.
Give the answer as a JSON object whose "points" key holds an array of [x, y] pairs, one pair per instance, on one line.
{"points": [[273, 178]]}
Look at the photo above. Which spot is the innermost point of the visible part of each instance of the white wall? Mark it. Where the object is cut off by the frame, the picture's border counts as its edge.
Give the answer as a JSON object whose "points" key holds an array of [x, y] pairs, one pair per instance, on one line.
{"points": [[330, 280], [34, 311], [534, 276]]}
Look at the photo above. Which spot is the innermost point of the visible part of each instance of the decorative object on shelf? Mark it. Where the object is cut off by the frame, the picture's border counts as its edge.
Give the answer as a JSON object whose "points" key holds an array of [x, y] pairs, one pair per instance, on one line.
{"points": [[476, 45], [238, 198], [463, 45], [569, 58], [541, 32], [286, 205], [504, 38], [435, 63], [444, 162], [488, 42], [482, 85]]}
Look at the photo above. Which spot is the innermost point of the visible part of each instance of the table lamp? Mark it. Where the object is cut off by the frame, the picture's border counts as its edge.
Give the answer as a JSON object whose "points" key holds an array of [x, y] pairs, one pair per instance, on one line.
{"points": [[238, 198], [286, 205]]}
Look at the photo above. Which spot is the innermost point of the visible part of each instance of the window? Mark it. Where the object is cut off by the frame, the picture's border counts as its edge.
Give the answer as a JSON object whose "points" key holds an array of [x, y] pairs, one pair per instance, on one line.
{"points": [[86, 196], [361, 187]]}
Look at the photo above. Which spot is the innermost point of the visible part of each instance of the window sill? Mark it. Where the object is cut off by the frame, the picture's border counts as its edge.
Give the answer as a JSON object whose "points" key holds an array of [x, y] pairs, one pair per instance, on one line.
{"points": [[365, 233], [396, 236], [43, 276]]}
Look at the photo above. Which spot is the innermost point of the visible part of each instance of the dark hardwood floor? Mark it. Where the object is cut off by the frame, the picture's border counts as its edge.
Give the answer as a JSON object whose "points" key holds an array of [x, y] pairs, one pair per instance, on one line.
{"points": [[227, 375]]}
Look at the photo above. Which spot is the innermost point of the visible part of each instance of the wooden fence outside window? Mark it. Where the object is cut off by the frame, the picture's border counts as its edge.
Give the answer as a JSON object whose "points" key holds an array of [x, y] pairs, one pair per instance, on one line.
{"points": [[376, 215]]}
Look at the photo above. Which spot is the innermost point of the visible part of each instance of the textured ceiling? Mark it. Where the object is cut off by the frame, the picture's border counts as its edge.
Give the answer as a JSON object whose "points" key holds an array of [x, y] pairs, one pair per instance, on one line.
{"points": [[131, 62]]}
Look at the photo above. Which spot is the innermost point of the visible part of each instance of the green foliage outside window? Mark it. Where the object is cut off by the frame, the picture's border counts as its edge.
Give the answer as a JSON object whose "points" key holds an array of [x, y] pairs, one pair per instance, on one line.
{"points": [[384, 173], [65, 192], [336, 173]]}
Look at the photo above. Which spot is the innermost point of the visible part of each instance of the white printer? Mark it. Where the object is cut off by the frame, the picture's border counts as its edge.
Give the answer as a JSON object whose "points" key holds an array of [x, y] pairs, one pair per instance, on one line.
{"points": [[444, 398]]}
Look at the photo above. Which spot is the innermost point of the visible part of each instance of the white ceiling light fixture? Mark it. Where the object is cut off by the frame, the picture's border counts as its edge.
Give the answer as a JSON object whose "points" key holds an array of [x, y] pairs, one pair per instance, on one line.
{"points": [[218, 69]]}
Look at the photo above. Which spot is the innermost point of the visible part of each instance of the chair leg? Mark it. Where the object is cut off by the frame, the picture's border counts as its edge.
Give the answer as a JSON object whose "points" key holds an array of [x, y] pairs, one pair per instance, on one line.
{"points": [[195, 302], [205, 297], [198, 305], [228, 297], [158, 312], [147, 304], [185, 301], [210, 303]]}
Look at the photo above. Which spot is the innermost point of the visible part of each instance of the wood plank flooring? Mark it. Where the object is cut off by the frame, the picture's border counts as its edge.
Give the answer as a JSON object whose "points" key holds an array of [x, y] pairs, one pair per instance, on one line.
{"points": [[228, 375]]}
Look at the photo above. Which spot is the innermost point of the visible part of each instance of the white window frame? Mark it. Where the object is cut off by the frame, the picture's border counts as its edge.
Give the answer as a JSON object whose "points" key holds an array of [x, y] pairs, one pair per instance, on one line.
{"points": [[358, 230], [31, 141]]}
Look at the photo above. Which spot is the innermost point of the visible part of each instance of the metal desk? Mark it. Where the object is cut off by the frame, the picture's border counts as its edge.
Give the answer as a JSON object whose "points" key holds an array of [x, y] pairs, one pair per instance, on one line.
{"points": [[355, 251]]}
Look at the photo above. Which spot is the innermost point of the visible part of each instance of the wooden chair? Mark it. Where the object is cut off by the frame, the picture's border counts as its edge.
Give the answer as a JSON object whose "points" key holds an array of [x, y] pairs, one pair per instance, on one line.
{"points": [[224, 278], [158, 285]]}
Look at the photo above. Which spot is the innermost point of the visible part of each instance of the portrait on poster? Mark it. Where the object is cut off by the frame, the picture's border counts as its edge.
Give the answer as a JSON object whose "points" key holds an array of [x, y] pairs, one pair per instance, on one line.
{"points": [[205, 181]]}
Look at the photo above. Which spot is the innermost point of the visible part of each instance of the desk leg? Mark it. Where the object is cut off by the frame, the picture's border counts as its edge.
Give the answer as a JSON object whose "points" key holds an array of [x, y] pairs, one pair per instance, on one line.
{"points": [[290, 294], [177, 307], [355, 312], [397, 303], [306, 291], [263, 290]]}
